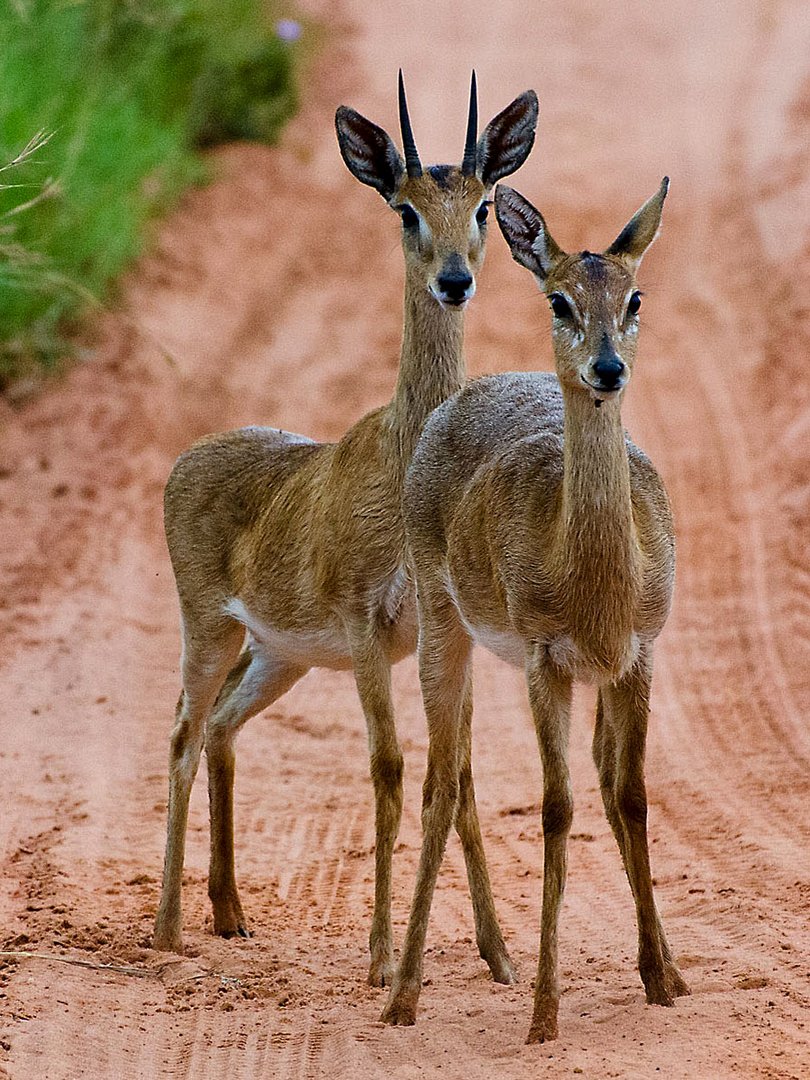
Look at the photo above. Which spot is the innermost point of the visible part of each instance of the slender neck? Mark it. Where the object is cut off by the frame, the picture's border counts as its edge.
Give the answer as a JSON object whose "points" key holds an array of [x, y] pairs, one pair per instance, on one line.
{"points": [[597, 538], [431, 365]]}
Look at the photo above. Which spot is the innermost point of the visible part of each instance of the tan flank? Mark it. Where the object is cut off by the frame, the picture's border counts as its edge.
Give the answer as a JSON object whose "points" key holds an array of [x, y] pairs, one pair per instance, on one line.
{"points": [[290, 554], [540, 531]]}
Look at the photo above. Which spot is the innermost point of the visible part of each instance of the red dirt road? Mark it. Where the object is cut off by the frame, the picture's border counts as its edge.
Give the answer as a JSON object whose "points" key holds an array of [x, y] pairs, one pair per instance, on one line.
{"points": [[276, 292]]}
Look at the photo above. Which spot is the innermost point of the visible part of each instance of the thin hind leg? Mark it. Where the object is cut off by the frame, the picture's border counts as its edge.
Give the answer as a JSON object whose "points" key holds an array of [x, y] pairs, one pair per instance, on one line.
{"points": [[444, 661], [208, 654], [604, 755], [550, 697], [372, 673], [488, 934], [619, 740], [254, 682]]}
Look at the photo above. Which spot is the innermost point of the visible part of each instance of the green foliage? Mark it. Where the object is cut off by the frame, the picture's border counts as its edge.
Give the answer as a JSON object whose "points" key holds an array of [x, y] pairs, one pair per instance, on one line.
{"points": [[126, 90]]}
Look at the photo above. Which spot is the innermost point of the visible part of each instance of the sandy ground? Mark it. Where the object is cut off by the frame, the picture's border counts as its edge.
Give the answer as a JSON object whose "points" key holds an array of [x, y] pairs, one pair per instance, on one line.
{"points": [[276, 293]]}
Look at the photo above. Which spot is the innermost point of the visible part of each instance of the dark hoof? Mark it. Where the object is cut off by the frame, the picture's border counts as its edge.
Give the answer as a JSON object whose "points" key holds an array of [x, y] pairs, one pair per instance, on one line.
{"points": [[502, 970], [400, 1011], [168, 943], [240, 931], [676, 984], [544, 1021], [540, 1033], [167, 936], [380, 975]]}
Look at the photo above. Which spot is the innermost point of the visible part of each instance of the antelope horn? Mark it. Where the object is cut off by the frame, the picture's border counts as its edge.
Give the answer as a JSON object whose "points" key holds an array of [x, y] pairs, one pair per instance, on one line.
{"points": [[412, 163], [468, 161]]}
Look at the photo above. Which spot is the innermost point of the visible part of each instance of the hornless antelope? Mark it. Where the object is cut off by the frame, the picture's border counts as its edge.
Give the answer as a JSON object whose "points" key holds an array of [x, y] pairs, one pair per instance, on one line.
{"points": [[290, 554], [539, 530]]}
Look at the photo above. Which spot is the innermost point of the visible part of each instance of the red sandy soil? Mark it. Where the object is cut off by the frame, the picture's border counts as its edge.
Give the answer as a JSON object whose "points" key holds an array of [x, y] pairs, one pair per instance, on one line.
{"points": [[273, 296]]}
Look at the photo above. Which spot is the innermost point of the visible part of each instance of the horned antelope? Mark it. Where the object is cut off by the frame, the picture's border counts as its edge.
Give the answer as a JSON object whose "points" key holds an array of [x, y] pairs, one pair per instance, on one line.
{"points": [[538, 529], [289, 554]]}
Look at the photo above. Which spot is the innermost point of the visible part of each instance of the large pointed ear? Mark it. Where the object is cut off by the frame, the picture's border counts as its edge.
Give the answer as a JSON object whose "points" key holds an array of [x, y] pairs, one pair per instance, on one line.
{"points": [[368, 152], [507, 140], [530, 242], [641, 229]]}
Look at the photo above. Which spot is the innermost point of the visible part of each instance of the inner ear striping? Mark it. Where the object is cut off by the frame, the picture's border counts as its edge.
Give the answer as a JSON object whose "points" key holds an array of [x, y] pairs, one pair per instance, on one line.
{"points": [[508, 139], [368, 152]]}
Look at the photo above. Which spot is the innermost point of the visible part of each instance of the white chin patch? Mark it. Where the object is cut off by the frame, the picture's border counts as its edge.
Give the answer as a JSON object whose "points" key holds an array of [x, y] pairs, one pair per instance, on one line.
{"points": [[602, 395], [449, 305]]}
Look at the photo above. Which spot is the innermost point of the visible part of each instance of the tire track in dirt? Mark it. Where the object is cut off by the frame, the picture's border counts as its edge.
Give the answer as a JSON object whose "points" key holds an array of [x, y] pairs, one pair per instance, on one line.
{"points": [[754, 666]]}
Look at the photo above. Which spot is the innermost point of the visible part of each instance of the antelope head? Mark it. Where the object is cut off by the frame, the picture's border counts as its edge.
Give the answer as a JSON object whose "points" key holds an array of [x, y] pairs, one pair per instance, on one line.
{"points": [[443, 208], [594, 299]]}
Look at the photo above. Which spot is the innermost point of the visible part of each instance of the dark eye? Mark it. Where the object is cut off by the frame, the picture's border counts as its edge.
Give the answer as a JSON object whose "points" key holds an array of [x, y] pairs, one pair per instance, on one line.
{"points": [[635, 304], [560, 306], [410, 218], [482, 213]]}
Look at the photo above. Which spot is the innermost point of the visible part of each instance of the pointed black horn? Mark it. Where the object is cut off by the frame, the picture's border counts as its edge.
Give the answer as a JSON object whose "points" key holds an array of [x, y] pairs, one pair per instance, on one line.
{"points": [[412, 163], [468, 161]]}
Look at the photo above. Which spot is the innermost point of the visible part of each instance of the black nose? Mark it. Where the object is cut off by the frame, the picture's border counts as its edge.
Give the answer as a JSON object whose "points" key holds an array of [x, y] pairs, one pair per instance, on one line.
{"points": [[454, 286], [607, 367], [609, 372]]}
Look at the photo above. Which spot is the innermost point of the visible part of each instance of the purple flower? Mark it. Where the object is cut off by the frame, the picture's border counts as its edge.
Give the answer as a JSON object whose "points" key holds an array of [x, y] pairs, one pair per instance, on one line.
{"points": [[288, 29]]}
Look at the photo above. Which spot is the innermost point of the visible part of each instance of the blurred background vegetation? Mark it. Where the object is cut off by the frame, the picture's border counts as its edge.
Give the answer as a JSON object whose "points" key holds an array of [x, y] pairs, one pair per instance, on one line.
{"points": [[104, 106]]}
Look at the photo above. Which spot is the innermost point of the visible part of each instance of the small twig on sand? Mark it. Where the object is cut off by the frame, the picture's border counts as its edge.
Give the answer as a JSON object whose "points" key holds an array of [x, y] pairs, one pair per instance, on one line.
{"points": [[119, 969]]}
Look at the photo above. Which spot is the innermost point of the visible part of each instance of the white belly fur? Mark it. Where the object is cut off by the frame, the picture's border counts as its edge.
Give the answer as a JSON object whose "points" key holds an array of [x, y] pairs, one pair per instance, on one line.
{"points": [[315, 648], [506, 645], [563, 651]]}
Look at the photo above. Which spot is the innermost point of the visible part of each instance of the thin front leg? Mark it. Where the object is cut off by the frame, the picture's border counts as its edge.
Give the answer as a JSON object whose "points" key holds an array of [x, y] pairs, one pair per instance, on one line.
{"points": [[550, 697], [488, 934], [444, 659], [372, 672], [626, 709], [207, 658], [254, 682]]}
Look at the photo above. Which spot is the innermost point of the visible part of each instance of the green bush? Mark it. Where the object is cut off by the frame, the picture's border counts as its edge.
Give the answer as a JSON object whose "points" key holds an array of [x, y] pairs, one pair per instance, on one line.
{"points": [[126, 90]]}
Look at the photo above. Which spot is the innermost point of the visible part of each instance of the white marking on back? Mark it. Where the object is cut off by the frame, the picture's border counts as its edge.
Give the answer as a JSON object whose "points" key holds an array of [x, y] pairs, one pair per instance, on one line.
{"points": [[287, 436]]}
